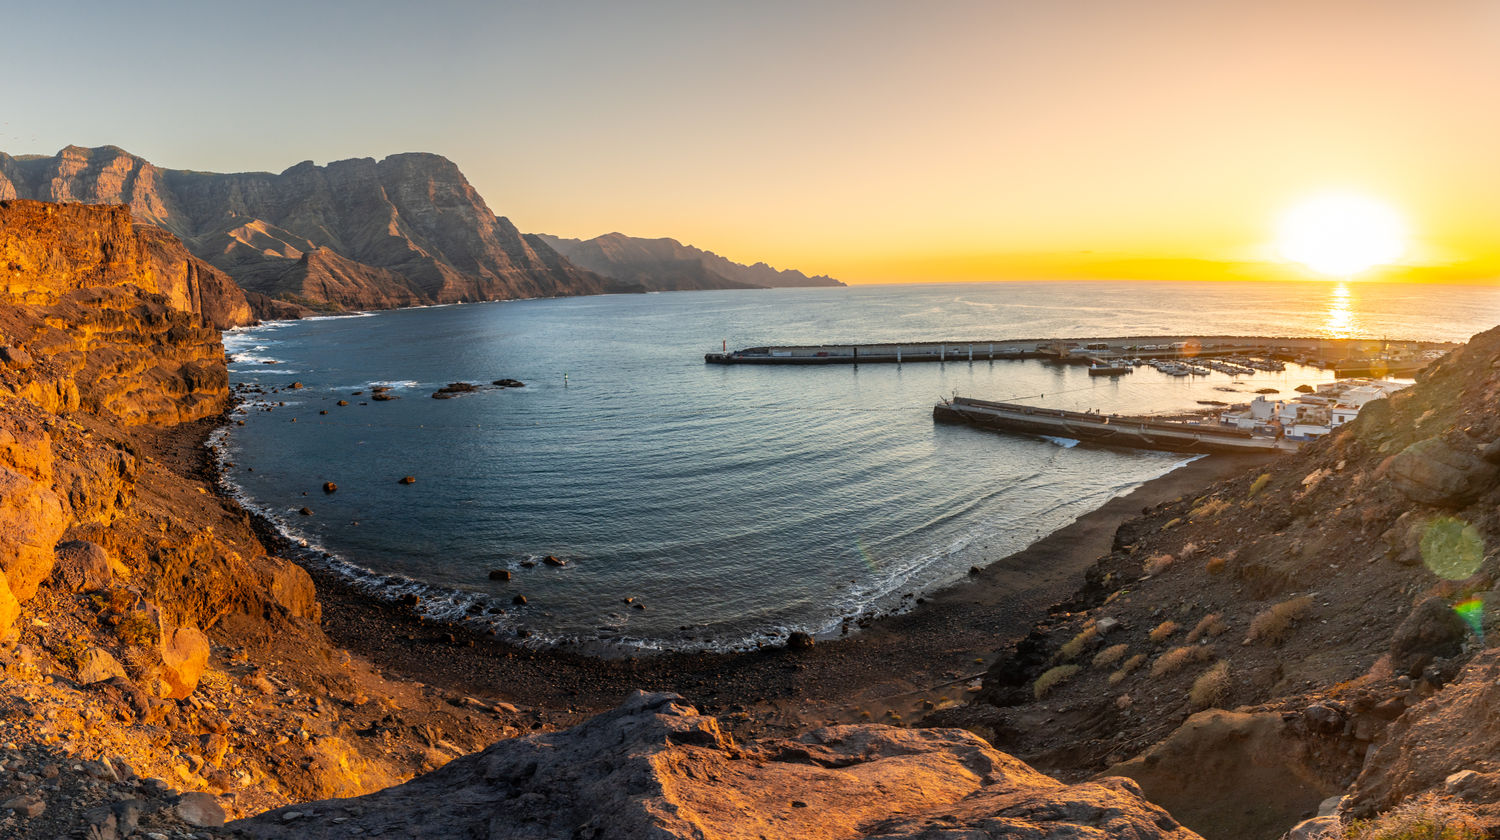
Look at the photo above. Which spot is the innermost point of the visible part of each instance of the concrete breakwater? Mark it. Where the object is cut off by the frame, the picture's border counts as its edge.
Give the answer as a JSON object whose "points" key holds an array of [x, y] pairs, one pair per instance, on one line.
{"points": [[1113, 430], [1353, 357]]}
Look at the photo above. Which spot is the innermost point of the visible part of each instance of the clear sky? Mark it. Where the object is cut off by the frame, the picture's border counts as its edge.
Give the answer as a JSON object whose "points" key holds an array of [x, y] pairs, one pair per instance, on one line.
{"points": [[875, 141]]}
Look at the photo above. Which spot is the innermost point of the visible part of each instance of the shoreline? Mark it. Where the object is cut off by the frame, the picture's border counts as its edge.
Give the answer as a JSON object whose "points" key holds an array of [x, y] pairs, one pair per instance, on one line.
{"points": [[897, 666]]}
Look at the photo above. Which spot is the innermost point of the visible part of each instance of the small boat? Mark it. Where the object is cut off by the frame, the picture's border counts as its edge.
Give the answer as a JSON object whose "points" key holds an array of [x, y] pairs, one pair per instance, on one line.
{"points": [[1109, 368]]}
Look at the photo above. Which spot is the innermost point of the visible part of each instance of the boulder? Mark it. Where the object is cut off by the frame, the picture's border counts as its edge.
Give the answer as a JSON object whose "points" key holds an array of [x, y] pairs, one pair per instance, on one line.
{"points": [[98, 665], [31, 521], [15, 358], [509, 383], [407, 480], [655, 768], [200, 809], [499, 574], [184, 656], [292, 587], [1431, 631], [330, 487], [1437, 471], [798, 640], [82, 566], [554, 561]]}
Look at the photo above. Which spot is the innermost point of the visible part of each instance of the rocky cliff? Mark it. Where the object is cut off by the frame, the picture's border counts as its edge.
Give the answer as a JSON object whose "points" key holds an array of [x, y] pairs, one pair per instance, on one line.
{"points": [[1243, 652], [159, 668], [355, 234], [668, 265]]}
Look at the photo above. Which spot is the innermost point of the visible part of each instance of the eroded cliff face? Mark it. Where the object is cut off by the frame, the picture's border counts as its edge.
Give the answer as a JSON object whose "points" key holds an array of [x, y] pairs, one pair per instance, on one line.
{"points": [[143, 623], [355, 234], [110, 318]]}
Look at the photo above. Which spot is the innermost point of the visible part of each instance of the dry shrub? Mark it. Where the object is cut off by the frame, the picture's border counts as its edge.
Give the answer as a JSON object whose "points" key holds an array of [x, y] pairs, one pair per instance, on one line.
{"points": [[1187, 551], [1211, 687], [1171, 523], [1259, 484], [1214, 566], [1110, 655], [1078, 643], [1273, 624], [1163, 630], [1052, 678], [1180, 657], [1117, 677], [1133, 663], [1209, 509], [1210, 625], [1425, 817], [1158, 563]]}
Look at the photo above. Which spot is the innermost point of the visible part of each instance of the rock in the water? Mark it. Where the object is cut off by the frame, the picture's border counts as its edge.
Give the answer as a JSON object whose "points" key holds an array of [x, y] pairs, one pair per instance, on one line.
{"points": [[305, 511], [499, 574], [200, 809], [1437, 471], [407, 480], [554, 561], [509, 383], [97, 665], [519, 600], [655, 768], [1432, 631], [330, 487], [798, 640]]}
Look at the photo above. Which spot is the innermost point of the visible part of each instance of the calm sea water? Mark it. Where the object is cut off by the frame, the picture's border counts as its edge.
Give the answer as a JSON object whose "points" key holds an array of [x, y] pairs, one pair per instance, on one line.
{"points": [[734, 503]]}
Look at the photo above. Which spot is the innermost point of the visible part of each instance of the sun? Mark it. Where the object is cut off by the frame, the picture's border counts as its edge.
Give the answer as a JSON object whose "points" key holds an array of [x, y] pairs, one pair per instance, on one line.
{"points": [[1341, 235]]}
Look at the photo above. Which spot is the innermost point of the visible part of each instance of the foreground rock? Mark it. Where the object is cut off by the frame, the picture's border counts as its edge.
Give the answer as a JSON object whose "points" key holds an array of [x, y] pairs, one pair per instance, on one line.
{"points": [[1444, 745], [656, 768]]}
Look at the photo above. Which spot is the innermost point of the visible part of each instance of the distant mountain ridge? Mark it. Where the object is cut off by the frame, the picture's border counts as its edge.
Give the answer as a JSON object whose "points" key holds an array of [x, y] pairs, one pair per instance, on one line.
{"points": [[354, 234], [668, 265]]}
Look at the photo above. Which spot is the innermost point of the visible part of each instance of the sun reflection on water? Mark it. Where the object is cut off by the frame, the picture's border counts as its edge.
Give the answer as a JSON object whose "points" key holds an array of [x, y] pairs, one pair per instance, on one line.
{"points": [[1340, 314]]}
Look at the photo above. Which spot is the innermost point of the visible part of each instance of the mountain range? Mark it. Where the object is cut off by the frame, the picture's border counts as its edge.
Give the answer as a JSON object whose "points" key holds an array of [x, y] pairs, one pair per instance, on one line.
{"points": [[353, 234], [668, 265]]}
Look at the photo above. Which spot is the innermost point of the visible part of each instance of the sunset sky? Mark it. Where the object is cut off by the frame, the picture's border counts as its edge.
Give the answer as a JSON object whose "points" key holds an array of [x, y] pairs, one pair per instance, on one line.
{"points": [[874, 141]]}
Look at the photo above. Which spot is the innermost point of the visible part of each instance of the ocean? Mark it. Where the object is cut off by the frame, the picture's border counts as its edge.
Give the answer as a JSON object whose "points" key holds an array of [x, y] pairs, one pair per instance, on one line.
{"points": [[699, 507]]}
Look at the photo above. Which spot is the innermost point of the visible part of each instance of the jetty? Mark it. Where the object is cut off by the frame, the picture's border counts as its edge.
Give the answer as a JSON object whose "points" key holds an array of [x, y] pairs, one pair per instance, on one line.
{"points": [[1109, 429], [1345, 356]]}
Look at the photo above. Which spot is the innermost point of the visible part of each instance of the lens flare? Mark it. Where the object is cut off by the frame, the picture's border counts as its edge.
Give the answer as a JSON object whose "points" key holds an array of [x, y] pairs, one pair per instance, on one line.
{"points": [[1452, 549], [1471, 611]]}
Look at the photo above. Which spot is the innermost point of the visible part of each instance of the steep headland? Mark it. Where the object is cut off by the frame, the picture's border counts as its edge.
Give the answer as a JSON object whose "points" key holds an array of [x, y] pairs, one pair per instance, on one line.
{"points": [[151, 647], [354, 234], [668, 265]]}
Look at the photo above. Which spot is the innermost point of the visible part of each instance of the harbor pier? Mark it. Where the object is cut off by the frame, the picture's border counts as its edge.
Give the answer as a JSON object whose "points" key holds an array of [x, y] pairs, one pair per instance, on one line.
{"points": [[1346, 356]]}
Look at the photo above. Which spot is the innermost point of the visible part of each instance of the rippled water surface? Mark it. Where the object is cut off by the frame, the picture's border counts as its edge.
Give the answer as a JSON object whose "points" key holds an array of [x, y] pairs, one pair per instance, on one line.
{"points": [[733, 503]]}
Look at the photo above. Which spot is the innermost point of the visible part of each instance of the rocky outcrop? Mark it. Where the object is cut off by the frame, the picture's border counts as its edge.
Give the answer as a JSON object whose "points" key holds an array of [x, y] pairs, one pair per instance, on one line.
{"points": [[668, 265], [655, 768], [354, 234], [114, 319], [1445, 745]]}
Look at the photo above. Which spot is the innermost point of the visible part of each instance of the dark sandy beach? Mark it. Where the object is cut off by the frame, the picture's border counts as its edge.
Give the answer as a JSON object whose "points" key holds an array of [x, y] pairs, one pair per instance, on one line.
{"points": [[899, 665]]}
